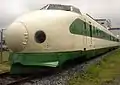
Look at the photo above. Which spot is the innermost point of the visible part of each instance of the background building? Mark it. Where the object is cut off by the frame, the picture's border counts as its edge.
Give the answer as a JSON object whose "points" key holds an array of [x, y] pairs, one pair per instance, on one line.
{"points": [[115, 31], [105, 22]]}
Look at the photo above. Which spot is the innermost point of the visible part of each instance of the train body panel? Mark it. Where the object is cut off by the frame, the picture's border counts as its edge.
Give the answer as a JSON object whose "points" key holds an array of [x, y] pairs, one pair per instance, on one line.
{"points": [[61, 23], [65, 35]]}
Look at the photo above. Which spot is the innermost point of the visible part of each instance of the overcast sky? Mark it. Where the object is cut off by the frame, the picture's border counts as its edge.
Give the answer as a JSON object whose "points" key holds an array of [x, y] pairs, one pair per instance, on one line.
{"points": [[109, 9]]}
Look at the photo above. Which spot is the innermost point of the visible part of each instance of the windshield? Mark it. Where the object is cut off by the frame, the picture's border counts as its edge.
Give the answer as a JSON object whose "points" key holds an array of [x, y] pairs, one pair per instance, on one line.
{"points": [[60, 7]]}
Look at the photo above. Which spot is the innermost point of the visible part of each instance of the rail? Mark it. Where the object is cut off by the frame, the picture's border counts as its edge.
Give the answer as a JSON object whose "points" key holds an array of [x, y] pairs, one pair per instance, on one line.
{"points": [[7, 79]]}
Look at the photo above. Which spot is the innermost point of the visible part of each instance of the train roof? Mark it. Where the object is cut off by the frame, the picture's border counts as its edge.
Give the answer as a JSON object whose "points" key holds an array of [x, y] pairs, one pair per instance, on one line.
{"points": [[61, 7], [114, 29]]}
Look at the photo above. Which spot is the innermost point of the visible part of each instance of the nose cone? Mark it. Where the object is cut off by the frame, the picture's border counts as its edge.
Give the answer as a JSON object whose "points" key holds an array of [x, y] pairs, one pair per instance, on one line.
{"points": [[16, 37]]}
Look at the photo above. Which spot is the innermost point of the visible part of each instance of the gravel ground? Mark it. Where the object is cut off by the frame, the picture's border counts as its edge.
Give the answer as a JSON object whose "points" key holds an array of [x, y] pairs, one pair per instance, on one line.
{"points": [[63, 77]]}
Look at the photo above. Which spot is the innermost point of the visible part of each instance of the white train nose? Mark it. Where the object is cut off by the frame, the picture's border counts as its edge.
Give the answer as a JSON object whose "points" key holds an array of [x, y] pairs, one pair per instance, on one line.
{"points": [[16, 36]]}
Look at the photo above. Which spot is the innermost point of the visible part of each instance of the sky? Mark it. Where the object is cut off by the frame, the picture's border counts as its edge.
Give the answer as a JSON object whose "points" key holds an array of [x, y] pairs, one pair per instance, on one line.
{"points": [[107, 9]]}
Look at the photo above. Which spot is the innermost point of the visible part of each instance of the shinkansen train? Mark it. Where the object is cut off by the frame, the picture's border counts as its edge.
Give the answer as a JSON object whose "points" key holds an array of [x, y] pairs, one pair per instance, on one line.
{"points": [[49, 37]]}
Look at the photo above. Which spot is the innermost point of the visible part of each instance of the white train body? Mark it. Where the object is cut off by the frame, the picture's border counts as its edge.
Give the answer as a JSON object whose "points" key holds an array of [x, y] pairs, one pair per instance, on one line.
{"points": [[56, 25]]}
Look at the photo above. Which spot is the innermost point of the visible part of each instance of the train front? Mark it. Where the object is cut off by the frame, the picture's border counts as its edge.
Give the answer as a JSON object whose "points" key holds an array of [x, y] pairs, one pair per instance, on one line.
{"points": [[36, 40]]}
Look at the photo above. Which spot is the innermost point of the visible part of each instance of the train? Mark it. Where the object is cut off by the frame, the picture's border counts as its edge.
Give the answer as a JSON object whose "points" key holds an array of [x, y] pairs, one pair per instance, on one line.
{"points": [[52, 35]]}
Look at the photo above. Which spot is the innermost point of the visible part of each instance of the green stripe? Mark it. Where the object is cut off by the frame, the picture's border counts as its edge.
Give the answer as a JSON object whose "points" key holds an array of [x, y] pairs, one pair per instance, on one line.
{"points": [[82, 28], [21, 62], [51, 59]]}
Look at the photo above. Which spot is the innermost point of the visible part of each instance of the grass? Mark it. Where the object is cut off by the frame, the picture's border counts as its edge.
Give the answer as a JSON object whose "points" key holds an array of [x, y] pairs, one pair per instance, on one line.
{"points": [[100, 73], [4, 64], [5, 56]]}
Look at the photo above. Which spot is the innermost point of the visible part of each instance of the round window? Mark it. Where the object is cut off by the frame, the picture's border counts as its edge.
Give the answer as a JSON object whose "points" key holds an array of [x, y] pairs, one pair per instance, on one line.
{"points": [[40, 36]]}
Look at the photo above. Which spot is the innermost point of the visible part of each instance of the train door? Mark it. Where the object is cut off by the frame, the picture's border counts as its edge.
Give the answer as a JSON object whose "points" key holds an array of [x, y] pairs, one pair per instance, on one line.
{"points": [[90, 30], [92, 47], [85, 37], [90, 40]]}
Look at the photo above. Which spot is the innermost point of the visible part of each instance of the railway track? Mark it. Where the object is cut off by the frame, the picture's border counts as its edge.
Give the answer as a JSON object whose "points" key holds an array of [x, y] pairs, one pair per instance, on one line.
{"points": [[7, 79]]}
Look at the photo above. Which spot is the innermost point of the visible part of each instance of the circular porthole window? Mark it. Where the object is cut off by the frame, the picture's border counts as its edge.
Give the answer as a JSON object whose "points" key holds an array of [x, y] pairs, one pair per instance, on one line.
{"points": [[40, 36]]}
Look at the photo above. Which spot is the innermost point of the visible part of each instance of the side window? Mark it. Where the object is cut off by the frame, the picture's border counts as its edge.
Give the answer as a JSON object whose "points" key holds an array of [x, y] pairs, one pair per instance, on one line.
{"points": [[84, 25], [94, 31], [77, 27], [84, 29], [112, 38], [87, 29], [102, 35], [98, 33], [109, 37], [106, 36]]}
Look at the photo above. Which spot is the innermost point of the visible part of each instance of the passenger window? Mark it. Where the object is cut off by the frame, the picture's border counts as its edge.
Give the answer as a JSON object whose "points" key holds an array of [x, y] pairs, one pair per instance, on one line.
{"points": [[84, 25], [77, 27], [94, 31]]}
